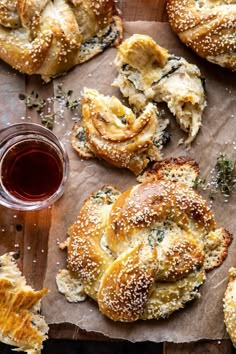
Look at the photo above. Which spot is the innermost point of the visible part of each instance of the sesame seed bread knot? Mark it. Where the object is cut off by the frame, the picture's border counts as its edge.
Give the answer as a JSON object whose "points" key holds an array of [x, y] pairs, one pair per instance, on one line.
{"points": [[21, 325], [208, 27], [112, 132], [229, 305], [48, 37], [144, 253], [148, 73]]}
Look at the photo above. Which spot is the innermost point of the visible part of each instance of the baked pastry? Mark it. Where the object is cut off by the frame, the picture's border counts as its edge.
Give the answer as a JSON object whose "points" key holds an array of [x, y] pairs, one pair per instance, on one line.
{"points": [[208, 27], [21, 325], [229, 305], [112, 132], [144, 253], [49, 37], [147, 73], [180, 169]]}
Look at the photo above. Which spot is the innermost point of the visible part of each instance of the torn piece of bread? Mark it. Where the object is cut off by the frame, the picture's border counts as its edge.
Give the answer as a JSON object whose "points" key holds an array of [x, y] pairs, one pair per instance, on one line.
{"points": [[21, 325], [216, 247], [229, 306], [148, 73], [144, 253], [70, 286], [112, 132]]}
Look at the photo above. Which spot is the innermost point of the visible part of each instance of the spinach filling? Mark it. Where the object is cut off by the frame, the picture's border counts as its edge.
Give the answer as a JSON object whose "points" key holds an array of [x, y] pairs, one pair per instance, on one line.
{"points": [[102, 42], [105, 195], [81, 134], [163, 139], [173, 69], [155, 237]]}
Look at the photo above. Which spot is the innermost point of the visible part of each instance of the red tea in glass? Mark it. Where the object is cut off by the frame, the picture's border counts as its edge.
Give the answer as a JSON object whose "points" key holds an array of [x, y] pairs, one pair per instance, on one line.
{"points": [[31, 170], [33, 166]]}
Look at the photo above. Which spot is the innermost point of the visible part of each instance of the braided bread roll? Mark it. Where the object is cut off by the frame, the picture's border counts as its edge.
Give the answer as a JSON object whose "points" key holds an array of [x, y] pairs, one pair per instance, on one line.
{"points": [[143, 253], [208, 27], [50, 37]]}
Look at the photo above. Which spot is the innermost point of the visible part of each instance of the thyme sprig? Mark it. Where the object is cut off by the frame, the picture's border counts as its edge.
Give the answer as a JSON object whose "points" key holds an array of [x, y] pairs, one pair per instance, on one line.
{"points": [[225, 178], [198, 182], [33, 100], [42, 106], [66, 97], [48, 120]]}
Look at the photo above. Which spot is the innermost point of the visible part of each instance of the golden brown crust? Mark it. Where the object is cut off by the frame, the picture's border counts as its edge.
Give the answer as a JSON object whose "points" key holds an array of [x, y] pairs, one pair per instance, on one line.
{"points": [[20, 325], [85, 255], [208, 27], [11, 304], [119, 295], [8, 14], [79, 142], [49, 38], [112, 132], [167, 297], [143, 253], [151, 202], [229, 305], [178, 169], [216, 247]]}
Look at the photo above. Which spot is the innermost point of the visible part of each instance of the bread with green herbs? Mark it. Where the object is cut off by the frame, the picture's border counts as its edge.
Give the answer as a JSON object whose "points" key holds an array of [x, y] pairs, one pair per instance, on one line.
{"points": [[50, 37], [145, 252], [149, 73], [112, 132]]}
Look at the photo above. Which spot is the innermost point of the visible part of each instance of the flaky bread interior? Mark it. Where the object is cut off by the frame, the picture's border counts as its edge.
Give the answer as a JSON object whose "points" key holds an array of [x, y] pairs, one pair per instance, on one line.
{"points": [[148, 73], [113, 132], [21, 325]]}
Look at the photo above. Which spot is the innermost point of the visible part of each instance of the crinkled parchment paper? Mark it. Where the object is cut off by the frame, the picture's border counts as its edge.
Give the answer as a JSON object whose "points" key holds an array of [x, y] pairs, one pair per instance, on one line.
{"points": [[202, 319], [12, 84]]}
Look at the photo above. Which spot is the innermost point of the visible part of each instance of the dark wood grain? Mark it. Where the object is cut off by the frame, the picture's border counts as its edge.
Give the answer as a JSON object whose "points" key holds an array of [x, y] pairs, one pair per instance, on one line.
{"points": [[201, 347]]}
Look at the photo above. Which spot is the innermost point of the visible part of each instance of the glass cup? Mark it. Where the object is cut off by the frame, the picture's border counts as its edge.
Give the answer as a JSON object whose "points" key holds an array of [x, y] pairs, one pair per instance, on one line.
{"points": [[34, 167]]}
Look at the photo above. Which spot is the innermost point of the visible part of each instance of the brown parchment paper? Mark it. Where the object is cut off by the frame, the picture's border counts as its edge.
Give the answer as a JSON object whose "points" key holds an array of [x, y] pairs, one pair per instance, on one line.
{"points": [[12, 84], [204, 317]]}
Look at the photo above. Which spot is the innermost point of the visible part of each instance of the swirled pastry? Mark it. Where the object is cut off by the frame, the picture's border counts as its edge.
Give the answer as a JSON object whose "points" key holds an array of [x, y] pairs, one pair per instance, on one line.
{"points": [[20, 322], [112, 132], [147, 73], [50, 37], [229, 305], [208, 27], [144, 253]]}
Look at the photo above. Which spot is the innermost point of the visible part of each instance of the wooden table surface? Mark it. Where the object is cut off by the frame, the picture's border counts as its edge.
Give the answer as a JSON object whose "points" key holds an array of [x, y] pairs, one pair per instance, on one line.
{"points": [[18, 230]]}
